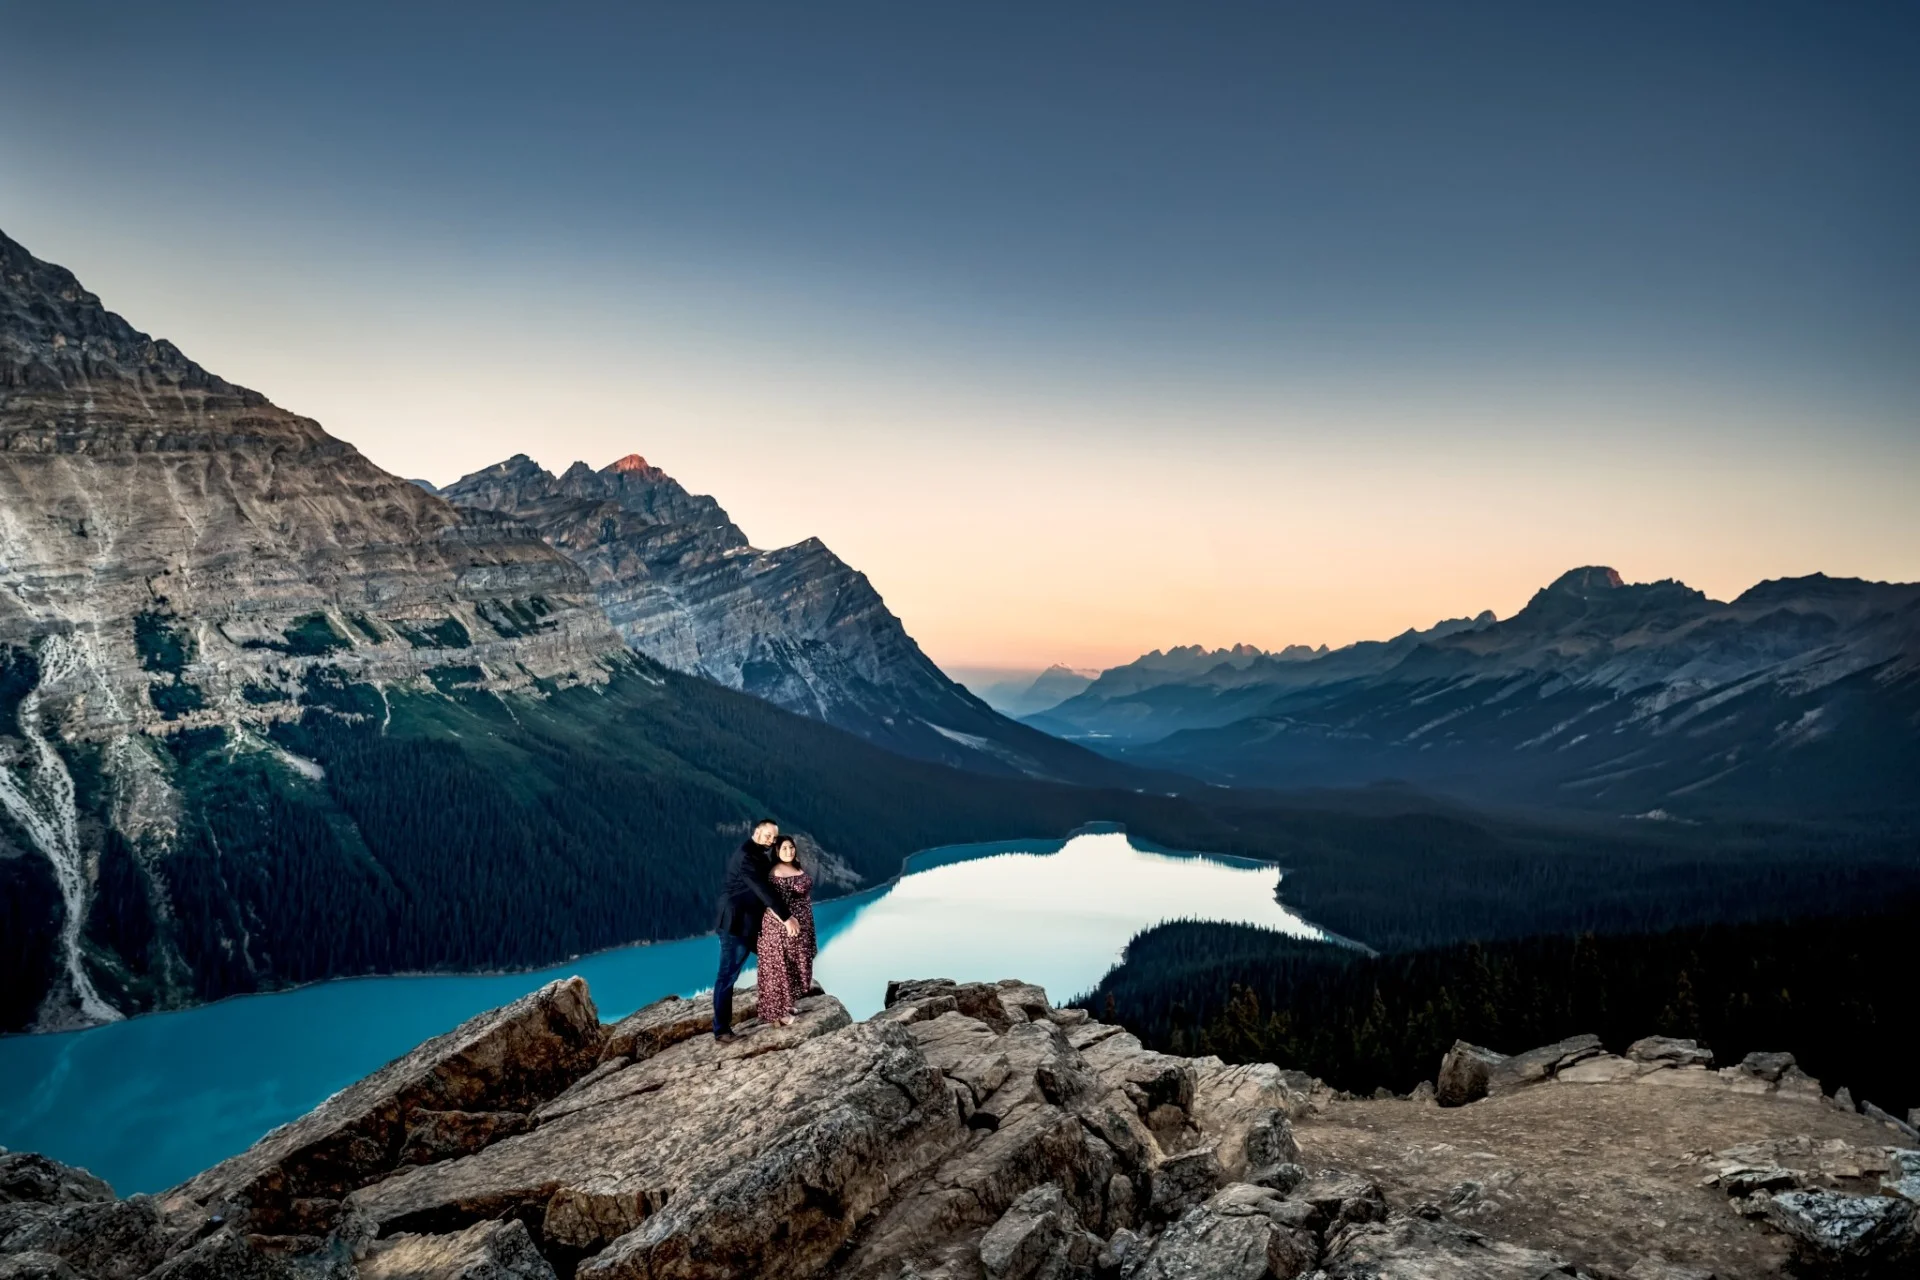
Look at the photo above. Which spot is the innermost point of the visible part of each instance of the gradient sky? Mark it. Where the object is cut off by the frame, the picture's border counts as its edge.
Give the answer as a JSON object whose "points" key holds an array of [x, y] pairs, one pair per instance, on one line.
{"points": [[1082, 329]]}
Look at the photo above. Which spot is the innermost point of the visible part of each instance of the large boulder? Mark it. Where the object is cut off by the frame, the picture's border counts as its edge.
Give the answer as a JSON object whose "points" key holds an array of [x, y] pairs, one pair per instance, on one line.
{"points": [[1537, 1065], [1830, 1227], [507, 1059], [1464, 1073], [484, 1251], [706, 1159], [1243, 1107]]}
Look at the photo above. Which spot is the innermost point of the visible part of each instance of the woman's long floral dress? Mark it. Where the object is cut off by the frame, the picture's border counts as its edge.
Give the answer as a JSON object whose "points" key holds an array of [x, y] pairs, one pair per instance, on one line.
{"points": [[786, 964]]}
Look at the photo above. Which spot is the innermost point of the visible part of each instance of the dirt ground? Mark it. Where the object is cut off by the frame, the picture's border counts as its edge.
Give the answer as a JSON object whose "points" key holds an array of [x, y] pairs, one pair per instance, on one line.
{"points": [[1601, 1174]]}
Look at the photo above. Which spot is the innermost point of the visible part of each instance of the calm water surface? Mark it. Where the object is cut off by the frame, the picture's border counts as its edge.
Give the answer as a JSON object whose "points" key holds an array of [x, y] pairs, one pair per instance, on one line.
{"points": [[147, 1102]]}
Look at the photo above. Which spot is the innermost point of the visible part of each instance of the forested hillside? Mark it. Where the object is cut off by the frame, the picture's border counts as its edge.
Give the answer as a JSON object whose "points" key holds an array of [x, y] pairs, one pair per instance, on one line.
{"points": [[1835, 992]]}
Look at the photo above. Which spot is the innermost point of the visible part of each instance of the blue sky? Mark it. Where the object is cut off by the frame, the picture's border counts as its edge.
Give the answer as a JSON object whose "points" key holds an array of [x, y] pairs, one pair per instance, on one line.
{"points": [[1083, 329]]}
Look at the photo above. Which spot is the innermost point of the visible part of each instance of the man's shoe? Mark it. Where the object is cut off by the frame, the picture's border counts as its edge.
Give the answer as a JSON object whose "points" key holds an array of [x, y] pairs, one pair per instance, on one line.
{"points": [[724, 1037]]}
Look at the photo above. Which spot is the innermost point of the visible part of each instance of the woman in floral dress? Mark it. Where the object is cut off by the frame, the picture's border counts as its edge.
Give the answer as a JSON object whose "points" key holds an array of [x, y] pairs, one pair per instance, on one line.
{"points": [[786, 964]]}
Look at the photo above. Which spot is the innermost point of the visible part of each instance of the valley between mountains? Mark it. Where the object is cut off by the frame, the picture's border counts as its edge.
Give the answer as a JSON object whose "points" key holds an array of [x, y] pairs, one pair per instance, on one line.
{"points": [[271, 715]]}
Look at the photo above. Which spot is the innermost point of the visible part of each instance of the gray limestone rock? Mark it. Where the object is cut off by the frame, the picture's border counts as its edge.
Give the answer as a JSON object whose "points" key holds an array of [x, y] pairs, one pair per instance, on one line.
{"points": [[678, 1172], [501, 1250], [1464, 1074], [1241, 1233], [1665, 1051], [1409, 1248], [1536, 1065], [27, 1178], [101, 1239], [1831, 1226], [1181, 1181], [1038, 1238], [36, 1266], [442, 1135], [1768, 1066], [506, 1059]]}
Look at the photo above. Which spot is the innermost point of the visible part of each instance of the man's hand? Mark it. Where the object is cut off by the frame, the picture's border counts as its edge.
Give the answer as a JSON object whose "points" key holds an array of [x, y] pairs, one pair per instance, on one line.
{"points": [[793, 928]]}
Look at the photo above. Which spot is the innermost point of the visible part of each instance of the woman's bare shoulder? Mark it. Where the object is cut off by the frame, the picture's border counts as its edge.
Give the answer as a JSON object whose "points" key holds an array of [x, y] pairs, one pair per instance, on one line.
{"points": [[784, 872]]}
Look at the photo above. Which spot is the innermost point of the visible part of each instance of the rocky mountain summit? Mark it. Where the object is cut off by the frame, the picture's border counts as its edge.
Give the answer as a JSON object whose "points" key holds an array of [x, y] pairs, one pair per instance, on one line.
{"points": [[973, 1130], [1799, 698], [178, 555], [796, 625]]}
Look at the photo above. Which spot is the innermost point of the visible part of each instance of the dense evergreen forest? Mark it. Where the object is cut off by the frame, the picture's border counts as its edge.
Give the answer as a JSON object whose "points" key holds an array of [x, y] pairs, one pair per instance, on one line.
{"points": [[1837, 992], [452, 829]]}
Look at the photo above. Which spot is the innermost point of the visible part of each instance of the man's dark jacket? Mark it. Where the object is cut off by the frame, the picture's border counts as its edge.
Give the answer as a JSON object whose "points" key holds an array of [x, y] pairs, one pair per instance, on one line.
{"points": [[748, 890]]}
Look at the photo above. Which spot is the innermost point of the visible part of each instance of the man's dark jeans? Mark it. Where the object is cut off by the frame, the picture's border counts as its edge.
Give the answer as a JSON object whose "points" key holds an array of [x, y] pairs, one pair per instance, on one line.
{"points": [[734, 953]]}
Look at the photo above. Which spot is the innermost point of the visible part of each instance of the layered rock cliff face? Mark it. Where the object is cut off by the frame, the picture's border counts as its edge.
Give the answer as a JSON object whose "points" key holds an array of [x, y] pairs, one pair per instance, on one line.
{"points": [[972, 1131], [178, 555], [796, 626]]}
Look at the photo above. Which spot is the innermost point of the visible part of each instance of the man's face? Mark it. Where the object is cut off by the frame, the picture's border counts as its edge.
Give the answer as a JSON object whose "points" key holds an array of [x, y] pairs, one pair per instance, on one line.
{"points": [[764, 833]]}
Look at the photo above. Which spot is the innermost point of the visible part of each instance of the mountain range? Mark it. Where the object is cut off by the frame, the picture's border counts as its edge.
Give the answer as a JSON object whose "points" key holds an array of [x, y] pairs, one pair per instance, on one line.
{"points": [[796, 626], [1799, 698], [269, 714]]}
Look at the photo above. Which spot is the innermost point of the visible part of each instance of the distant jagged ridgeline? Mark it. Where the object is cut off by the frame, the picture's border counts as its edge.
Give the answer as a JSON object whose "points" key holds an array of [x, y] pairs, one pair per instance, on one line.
{"points": [[1799, 699]]}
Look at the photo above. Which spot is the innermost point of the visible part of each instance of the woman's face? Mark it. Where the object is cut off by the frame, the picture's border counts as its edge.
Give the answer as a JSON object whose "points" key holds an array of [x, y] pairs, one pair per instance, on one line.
{"points": [[785, 850]]}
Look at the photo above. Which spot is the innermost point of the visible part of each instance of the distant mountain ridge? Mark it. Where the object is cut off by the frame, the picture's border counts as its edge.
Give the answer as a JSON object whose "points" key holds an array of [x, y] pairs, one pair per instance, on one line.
{"points": [[796, 625], [1801, 697], [1193, 687], [1024, 697]]}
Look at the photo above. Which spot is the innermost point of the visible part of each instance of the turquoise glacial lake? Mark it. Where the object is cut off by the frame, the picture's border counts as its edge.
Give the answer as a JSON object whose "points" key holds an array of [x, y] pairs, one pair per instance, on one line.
{"points": [[147, 1102]]}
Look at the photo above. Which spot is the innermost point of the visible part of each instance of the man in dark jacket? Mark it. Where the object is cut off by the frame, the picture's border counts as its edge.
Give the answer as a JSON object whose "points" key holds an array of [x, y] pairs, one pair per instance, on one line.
{"points": [[744, 894]]}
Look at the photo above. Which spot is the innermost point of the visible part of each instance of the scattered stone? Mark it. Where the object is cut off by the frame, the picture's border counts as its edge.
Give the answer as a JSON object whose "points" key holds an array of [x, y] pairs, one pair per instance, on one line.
{"points": [[1464, 1074], [1608, 1069], [1843, 1099], [1665, 1051], [36, 1266], [484, 1251], [26, 1178], [1422, 1092]]}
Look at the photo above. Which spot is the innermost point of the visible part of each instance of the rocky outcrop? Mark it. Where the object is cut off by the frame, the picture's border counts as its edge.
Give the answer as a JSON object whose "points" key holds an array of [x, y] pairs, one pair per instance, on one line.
{"points": [[797, 625], [969, 1130]]}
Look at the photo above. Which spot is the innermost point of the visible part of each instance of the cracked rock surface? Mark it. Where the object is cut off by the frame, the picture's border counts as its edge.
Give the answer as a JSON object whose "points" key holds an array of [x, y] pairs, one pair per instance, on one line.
{"points": [[971, 1131]]}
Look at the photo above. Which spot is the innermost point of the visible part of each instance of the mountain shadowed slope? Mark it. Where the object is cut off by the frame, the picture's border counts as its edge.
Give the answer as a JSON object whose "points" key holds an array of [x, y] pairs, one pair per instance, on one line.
{"points": [[1801, 699], [795, 625]]}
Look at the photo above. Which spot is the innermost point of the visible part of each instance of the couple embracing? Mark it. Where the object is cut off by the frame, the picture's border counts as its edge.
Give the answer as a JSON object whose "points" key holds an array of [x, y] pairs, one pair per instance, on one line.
{"points": [[766, 905]]}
